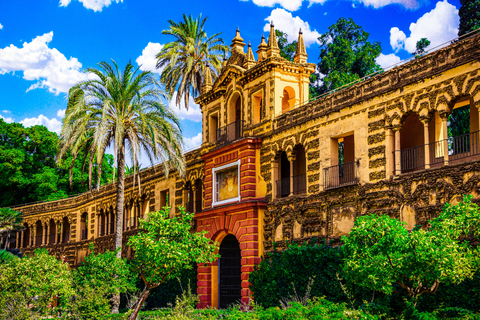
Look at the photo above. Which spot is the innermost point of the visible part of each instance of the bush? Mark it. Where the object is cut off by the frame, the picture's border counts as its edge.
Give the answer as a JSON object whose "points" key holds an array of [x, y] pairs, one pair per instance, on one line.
{"points": [[282, 274]]}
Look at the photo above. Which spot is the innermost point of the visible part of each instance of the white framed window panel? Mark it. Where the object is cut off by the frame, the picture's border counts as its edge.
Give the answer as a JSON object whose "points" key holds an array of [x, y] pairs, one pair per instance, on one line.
{"points": [[215, 202]]}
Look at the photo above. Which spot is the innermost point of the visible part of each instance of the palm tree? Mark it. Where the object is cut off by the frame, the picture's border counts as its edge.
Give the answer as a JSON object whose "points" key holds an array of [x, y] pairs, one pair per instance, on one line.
{"points": [[126, 111], [186, 58]]}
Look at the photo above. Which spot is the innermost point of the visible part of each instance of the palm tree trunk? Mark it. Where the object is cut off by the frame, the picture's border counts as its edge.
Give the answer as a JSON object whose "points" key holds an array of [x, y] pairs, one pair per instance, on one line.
{"points": [[139, 304], [120, 205]]}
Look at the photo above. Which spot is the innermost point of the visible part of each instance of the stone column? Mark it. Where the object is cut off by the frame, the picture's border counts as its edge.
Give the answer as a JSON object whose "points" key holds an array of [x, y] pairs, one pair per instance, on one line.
{"points": [[47, 233], [398, 166], [21, 239], [275, 190], [389, 149], [194, 194], [291, 159], [426, 142], [17, 242], [444, 117], [59, 230]]}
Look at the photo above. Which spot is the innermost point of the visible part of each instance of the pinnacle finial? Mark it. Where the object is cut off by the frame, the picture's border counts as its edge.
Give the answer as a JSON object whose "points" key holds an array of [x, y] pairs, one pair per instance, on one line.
{"points": [[237, 42], [300, 54], [273, 49]]}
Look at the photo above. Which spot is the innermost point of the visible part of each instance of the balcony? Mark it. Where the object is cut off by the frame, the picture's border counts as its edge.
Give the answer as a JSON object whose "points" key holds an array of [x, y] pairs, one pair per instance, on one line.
{"points": [[340, 175], [465, 147], [299, 186], [230, 132]]}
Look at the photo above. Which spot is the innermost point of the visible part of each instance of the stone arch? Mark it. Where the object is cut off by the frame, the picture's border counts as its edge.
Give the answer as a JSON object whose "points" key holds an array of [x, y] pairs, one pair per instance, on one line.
{"points": [[288, 98], [234, 107]]}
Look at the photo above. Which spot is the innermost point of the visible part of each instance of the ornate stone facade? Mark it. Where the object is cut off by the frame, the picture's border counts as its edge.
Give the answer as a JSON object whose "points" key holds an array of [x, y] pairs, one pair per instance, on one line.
{"points": [[274, 166]]}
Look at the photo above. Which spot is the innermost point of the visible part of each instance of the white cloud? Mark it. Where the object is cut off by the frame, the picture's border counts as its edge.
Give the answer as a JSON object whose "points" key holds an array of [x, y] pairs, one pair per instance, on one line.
{"points": [[291, 5], [310, 2], [6, 111], [52, 124], [409, 4], [387, 60], [284, 21], [147, 60], [95, 5], [39, 62], [61, 113], [7, 120], [439, 25], [397, 38], [1, 26], [193, 113], [193, 142]]}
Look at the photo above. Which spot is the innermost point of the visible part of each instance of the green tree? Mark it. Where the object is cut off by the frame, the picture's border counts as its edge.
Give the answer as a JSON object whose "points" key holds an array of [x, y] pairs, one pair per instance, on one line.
{"points": [[381, 254], [346, 55], [287, 50], [102, 276], [422, 44], [186, 58], [165, 248], [124, 109], [10, 220], [30, 285], [469, 16]]}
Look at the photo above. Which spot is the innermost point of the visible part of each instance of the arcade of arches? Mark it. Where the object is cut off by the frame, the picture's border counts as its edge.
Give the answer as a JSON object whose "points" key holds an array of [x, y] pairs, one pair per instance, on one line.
{"points": [[274, 167]]}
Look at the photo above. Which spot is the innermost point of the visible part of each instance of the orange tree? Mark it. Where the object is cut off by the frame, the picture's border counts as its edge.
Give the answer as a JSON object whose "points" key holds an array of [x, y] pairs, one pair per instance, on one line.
{"points": [[165, 247]]}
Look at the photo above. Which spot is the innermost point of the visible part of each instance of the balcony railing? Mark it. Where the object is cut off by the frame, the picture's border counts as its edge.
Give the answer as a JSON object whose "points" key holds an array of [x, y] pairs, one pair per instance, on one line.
{"points": [[416, 158], [283, 187], [340, 175], [299, 185], [230, 132]]}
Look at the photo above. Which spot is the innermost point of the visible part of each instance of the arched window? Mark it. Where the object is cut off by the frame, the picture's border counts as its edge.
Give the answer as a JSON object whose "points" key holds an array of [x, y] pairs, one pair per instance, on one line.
{"points": [[52, 228], [463, 134], [283, 176], [288, 99], [65, 230], [299, 171], [258, 108], [412, 149], [198, 195], [38, 233]]}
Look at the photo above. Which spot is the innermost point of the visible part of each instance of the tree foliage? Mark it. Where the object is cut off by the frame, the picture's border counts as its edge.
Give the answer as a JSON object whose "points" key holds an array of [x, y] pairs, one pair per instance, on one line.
{"points": [[381, 254], [186, 58], [28, 168], [165, 247], [287, 49], [30, 285], [10, 220], [97, 279], [421, 45], [469, 16], [346, 55]]}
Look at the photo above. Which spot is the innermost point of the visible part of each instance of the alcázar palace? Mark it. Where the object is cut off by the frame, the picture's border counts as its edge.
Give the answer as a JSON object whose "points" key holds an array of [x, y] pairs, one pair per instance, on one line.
{"points": [[275, 167]]}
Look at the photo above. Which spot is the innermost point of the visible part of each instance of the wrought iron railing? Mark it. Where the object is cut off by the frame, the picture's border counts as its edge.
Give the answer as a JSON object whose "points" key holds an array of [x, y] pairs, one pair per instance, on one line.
{"points": [[283, 187], [300, 184], [340, 175], [416, 158], [230, 132]]}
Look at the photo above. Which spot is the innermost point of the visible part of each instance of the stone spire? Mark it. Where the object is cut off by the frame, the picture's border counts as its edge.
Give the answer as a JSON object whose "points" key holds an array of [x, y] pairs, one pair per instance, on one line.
{"points": [[300, 54], [250, 60], [272, 47], [207, 80], [237, 42], [262, 50]]}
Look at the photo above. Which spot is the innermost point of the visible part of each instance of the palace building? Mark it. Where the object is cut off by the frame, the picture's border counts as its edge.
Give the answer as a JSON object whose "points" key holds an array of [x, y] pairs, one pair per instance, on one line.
{"points": [[275, 167]]}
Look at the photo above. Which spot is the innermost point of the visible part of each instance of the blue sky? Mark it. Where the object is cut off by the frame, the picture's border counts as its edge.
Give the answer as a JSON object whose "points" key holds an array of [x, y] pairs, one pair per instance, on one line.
{"points": [[46, 44]]}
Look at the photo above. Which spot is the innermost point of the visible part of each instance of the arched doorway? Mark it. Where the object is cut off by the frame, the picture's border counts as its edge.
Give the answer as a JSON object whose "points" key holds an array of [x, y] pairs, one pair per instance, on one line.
{"points": [[230, 272]]}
